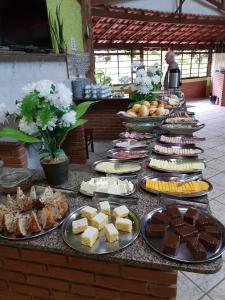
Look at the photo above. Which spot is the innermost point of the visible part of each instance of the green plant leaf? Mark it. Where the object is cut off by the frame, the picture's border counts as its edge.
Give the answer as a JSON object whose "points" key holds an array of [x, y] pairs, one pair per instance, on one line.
{"points": [[29, 105], [45, 113], [79, 123], [83, 107], [59, 152], [18, 135]]}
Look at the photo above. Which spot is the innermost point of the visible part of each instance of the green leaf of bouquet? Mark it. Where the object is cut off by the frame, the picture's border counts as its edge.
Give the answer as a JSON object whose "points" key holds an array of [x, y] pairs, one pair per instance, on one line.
{"points": [[83, 107], [18, 135], [28, 106], [45, 113], [59, 152]]}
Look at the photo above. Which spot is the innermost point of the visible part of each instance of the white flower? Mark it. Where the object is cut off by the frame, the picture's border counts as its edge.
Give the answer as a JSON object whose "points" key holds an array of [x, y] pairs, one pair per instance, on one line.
{"points": [[143, 89], [125, 79], [138, 80], [136, 64], [50, 125], [44, 88], [156, 79], [141, 73], [3, 112], [27, 89], [69, 119], [62, 96], [146, 80], [28, 128]]}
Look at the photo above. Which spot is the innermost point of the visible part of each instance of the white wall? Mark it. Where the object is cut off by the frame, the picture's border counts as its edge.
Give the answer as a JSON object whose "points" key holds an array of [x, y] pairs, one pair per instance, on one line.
{"points": [[190, 6], [16, 71], [218, 61]]}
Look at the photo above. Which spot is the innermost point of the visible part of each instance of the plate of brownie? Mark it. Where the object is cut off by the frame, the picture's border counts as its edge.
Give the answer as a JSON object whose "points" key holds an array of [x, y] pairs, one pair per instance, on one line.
{"points": [[184, 233]]}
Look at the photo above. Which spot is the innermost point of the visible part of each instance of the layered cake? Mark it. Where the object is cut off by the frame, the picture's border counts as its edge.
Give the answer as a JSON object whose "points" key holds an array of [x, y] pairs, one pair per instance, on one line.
{"points": [[79, 226], [173, 211], [191, 215], [123, 224], [176, 222], [89, 236], [196, 248], [186, 231], [100, 220], [171, 244], [210, 242], [111, 233], [88, 212], [213, 231], [156, 230], [105, 207], [120, 211], [161, 218], [204, 221]]}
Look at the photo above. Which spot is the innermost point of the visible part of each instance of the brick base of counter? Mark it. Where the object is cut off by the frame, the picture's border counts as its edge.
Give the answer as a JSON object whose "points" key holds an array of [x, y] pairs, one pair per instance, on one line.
{"points": [[32, 275], [13, 154]]}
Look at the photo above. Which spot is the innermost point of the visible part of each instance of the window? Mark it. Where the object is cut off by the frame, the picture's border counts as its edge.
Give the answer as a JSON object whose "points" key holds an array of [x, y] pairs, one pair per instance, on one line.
{"points": [[117, 63]]}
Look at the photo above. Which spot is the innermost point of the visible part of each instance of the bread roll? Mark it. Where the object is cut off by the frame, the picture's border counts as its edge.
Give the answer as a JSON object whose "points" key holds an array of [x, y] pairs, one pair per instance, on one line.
{"points": [[131, 113], [152, 109], [136, 108], [154, 115], [143, 111], [160, 111], [146, 103], [154, 103]]}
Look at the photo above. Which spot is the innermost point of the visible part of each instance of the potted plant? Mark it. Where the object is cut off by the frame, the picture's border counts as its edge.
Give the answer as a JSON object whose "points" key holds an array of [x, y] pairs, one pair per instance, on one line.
{"points": [[45, 115]]}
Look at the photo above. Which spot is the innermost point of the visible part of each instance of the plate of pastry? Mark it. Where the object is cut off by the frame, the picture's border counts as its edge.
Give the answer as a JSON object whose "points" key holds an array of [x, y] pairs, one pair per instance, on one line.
{"points": [[180, 165], [177, 150], [184, 233], [182, 128], [117, 166], [180, 140], [172, 185], [108, 185], [100, 229], [27, 216]]}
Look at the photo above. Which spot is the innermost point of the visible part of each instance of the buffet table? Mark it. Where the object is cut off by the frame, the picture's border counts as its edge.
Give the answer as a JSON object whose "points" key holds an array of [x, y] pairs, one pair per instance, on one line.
{"points": [[47, 268]]}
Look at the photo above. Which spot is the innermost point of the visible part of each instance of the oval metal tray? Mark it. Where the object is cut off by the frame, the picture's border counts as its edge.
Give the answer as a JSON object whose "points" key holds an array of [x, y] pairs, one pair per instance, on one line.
{"points": [[101, 246], [145, 145], [149, 137], [183, 254], [172, 178], [182, 129], [118, 162], [141, 126], [186, 146], [169, 158], [36, 235], [111, 152], [194, 138]]}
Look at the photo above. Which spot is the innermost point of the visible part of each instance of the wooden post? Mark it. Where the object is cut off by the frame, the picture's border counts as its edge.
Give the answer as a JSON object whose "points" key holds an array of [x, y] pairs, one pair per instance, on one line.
{"points": [[88, 35]]}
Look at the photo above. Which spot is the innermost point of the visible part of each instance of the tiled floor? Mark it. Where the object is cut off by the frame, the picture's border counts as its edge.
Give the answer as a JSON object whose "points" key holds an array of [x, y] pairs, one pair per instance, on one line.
{"points": [[196, 286]]}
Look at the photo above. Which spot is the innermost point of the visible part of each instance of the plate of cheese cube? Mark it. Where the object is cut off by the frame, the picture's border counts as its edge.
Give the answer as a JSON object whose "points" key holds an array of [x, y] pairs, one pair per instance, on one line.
{"points": [[99, 229]]}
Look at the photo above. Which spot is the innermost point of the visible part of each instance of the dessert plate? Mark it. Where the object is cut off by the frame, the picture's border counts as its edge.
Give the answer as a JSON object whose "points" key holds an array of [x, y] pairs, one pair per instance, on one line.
{"points": [[101, 246], [183, 254], [127, 154], [117, 166], [178, 147]]}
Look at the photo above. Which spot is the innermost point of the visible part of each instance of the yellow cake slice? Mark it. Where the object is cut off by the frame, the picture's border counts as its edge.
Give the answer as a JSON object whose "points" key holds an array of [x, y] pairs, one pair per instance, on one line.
{"points": [[120, 211], [100, 220], [105, 207], [111, 233], [123, 224], [88, 212], [79, 226], [89, 236]]}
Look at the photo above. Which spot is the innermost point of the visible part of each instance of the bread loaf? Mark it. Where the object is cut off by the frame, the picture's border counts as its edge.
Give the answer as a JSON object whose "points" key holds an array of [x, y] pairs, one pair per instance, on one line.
{"points": [[143, 111]]}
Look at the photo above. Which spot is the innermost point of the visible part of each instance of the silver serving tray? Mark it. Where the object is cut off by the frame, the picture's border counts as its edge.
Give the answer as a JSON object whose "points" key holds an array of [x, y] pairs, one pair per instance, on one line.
{"points": [[115, 151], [121, 135], [91, 195], [182, 129], [183, 254], [172, 178], [114, 142], [170, 158], [141, 126], [116, 161], [186, 146], [194, 138], [36, 235], [124, 116], [101, 246]]}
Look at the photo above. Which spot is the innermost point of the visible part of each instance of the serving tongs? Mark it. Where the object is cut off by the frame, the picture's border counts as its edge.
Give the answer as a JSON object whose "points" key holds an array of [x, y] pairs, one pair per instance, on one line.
{"points": [[188, 178], [129, 200]]}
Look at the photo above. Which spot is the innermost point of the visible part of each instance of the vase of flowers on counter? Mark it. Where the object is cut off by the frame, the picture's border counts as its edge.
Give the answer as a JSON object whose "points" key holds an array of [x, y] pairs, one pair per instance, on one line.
{"points": [[147, 81], [45, 115]]}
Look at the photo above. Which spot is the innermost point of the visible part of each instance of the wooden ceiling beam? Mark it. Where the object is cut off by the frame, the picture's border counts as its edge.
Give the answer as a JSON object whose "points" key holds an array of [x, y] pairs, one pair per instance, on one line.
{"points": [[141, 15], [101, 2]]}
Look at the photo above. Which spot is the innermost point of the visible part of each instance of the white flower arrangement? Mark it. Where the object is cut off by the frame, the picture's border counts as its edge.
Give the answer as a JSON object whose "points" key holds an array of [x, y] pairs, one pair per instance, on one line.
{"points": [[46, 114]]}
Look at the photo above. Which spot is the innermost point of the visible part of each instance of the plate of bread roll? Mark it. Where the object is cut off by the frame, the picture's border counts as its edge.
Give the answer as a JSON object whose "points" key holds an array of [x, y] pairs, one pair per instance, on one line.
{"points": [[101, 228]]}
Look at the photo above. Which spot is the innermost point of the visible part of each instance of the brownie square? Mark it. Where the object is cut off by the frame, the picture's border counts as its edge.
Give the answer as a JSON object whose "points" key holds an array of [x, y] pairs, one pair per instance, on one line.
{"points": [[213, 231], [173, 211], [191, 215], [201, 222], [177, 222], [197, 250], [171, 244], [160, 218], [186, 231], [156, 230], [210, 242]]}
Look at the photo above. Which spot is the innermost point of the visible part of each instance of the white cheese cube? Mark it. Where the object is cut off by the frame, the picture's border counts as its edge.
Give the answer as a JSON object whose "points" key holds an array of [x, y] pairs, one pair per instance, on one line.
{"points": [[111, 233], [79, 226], [89, 236], [120, 211], [123, 224], [105, 207], [100, 220], [88, 212]]}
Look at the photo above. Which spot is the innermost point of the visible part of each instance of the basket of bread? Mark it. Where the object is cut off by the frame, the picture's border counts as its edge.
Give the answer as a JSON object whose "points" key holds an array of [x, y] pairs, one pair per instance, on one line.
{"points": [[25, 217], [145, 111]]}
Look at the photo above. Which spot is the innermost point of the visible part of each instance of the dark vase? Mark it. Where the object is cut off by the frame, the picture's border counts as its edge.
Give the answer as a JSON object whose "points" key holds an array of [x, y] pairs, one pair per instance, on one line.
{"points": [[56, 173]]}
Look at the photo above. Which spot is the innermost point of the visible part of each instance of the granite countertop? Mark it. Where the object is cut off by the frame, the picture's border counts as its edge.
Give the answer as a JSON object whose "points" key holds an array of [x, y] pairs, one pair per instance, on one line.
{"points": [[136, 254]]}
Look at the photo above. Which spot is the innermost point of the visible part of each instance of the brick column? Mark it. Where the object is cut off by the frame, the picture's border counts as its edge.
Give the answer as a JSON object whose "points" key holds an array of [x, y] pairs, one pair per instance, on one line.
{"points": [[14, 154], [31, 274], [74, 146]]}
